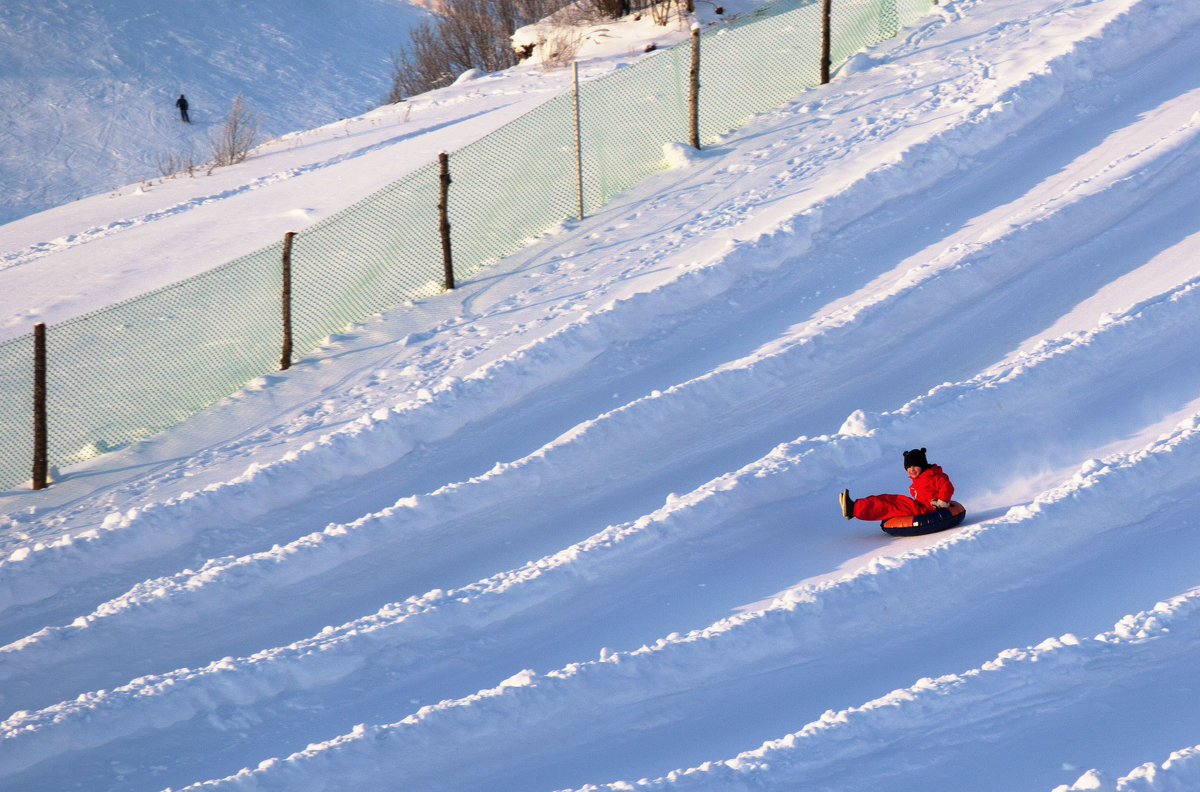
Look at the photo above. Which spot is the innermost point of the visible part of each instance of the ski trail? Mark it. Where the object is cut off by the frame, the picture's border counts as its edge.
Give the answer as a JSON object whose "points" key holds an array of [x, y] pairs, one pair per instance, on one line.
{"points": [[946, 710], [336, 653], [1050, 373], [971, 560]]}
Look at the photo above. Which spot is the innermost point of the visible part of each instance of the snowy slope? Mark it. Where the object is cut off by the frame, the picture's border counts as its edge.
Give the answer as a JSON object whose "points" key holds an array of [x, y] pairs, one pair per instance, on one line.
{"points": [[574, 525], [58, 264], [88, 88]]}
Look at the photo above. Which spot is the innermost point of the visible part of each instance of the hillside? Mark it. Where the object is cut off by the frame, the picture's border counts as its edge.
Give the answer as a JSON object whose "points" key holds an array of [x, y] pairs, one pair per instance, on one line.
{"points": [[88, 89], [574, 525]]}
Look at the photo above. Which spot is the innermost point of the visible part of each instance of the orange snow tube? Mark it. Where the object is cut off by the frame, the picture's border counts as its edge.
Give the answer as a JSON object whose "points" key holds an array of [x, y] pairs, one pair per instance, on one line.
{"points": [[927, 523]]}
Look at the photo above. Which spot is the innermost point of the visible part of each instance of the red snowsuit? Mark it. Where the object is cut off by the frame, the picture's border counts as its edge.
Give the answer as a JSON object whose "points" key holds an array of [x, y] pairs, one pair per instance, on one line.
{"points": [[929, 484]]}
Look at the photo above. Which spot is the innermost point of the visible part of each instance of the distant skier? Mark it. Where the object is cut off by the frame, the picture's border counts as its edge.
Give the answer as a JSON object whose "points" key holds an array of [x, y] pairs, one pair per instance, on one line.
{"points": [[182, 104], [930, 489]]}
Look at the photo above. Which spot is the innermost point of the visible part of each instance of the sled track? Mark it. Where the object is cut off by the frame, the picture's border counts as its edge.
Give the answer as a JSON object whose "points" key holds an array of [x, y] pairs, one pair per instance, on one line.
{"points": [[1052, 373], [434, 621], [593, 583]]}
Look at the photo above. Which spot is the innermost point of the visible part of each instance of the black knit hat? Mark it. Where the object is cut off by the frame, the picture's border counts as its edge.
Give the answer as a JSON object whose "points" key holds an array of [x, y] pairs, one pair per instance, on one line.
{"points": [[915, 457]]}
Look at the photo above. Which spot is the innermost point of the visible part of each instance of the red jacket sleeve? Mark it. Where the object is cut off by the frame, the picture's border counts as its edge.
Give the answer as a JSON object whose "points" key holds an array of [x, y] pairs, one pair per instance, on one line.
{"points": [[931, 484]]}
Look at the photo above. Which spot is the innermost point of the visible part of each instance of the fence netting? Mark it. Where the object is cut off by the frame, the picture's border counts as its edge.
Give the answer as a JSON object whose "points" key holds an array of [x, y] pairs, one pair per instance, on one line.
{"points": [[125, 372]]}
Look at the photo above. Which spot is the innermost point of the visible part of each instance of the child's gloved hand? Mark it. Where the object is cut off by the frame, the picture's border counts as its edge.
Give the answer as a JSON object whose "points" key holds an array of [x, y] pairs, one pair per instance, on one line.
{"points": [[938, 503]]}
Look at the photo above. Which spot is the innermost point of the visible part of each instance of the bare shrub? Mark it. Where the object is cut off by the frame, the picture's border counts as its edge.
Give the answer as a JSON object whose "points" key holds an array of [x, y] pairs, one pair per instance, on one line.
{"points": [[661, 12], [612, 9], [397, 92], [237, 137], [583, 12], [559, 47], [171, 163], [467, 34]]}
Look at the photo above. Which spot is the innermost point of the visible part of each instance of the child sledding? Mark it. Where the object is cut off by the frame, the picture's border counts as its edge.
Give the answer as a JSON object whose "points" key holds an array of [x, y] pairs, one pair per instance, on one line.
{"points": [[928, 507]]}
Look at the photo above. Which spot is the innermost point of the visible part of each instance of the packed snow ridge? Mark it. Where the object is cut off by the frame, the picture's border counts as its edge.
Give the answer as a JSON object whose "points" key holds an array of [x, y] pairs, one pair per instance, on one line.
{"points": [[574, 525]]}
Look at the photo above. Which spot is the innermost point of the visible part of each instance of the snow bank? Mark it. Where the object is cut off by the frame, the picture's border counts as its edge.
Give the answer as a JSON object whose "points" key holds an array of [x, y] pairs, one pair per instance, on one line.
{"points": [[969, 560], [942, 709], [547, 705], [1180, 773]]}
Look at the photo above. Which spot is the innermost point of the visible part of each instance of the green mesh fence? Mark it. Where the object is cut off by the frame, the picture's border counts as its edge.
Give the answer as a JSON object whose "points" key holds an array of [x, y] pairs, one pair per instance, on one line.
{"points": [[369, 257], [512, 185], [786, 50], [16, 410], [135, 368]]}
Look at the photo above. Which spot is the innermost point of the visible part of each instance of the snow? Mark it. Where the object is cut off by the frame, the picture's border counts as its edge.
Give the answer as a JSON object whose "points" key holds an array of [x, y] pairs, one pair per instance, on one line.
{"points": [[574, 524], [89, 87]]}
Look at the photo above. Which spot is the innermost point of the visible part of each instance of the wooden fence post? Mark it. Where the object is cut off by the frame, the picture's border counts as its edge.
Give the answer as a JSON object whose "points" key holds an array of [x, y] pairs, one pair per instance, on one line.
{"points": [[826, 55], [41, 463], [694, 91], [285, 357], [444, 220], [578, 143]]}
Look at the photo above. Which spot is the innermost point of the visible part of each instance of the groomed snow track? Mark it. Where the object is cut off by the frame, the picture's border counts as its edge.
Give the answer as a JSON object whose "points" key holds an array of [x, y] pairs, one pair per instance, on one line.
{"points": [[582, 531]]}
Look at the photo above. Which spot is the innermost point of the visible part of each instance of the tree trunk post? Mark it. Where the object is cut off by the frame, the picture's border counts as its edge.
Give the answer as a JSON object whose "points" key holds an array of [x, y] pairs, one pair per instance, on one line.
{"points": [[41, 465], [826, 56], [578, 144], [444, 219], [285, 357], [694, 91]]}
